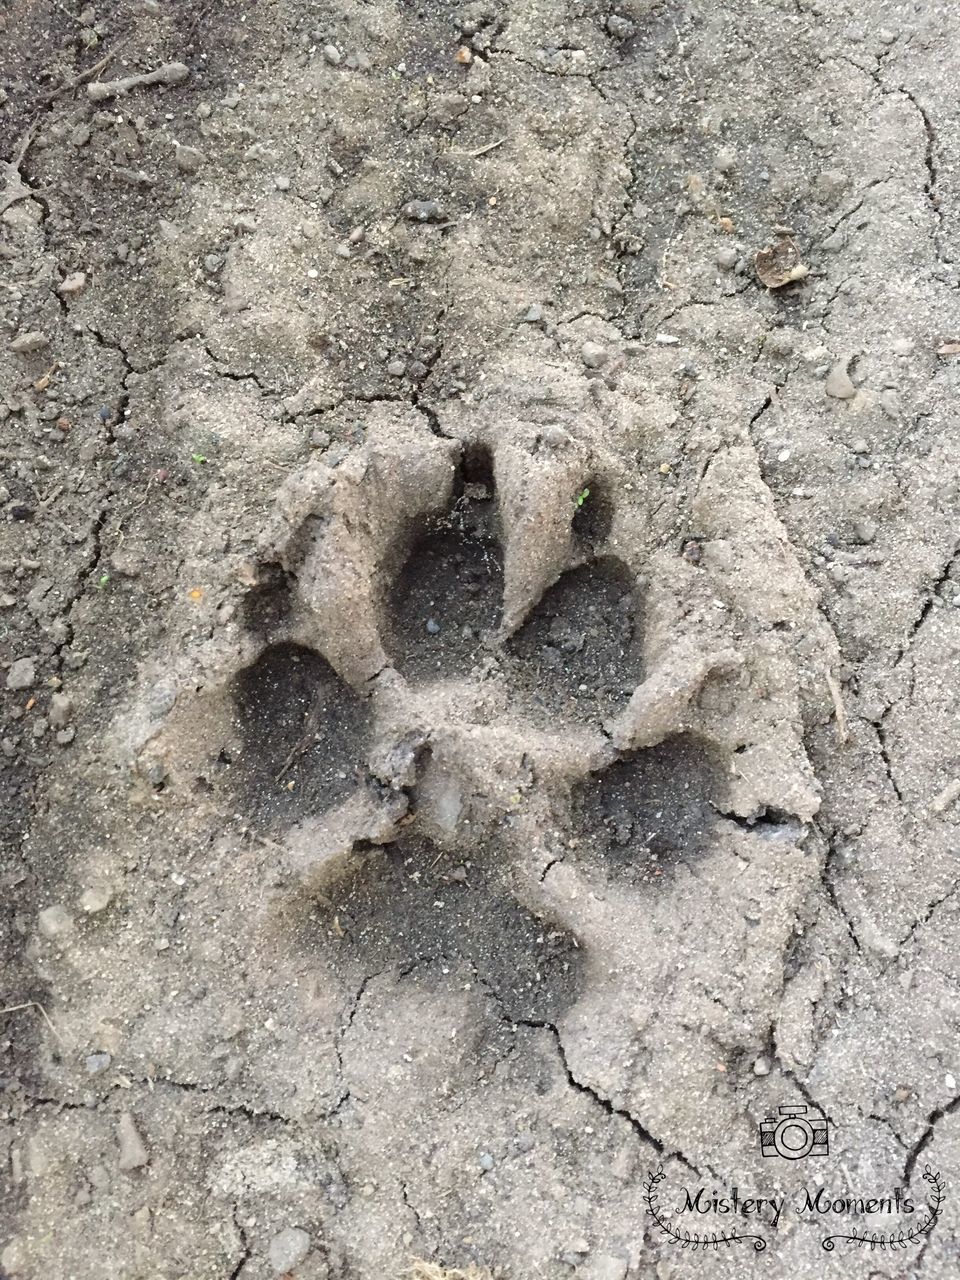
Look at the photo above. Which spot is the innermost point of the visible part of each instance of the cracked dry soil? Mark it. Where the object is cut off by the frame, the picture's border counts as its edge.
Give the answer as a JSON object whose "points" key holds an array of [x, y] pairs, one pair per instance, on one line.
{"points": [[479, 671]]}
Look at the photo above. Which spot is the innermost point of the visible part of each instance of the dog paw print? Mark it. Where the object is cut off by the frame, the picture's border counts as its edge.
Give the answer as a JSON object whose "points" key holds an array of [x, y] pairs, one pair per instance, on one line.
{"points": [[455, 635]]}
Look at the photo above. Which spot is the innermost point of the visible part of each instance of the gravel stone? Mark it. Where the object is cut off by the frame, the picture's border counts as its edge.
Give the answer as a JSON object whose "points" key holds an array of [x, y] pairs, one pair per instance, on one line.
{"points": [[94, 900], [423, 211], [865, 531], [838, 382], [73, 283], [189, 159], [133, 1153], [61, 709], [25, 343], [55, 922], [21, 675], [288, 1248], [620, 28], [593, 355]]}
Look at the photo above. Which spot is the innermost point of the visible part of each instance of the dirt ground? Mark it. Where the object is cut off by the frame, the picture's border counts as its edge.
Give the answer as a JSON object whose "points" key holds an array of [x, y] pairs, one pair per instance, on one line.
{"points": [[479, 656]]}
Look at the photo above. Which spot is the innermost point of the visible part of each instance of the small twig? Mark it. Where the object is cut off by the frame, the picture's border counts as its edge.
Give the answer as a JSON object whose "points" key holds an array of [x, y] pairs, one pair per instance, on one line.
{"points": [[169, 73], [16, 188], [33, 1004], [843, 731], [482, 151], [311, 723], [84, 76]]}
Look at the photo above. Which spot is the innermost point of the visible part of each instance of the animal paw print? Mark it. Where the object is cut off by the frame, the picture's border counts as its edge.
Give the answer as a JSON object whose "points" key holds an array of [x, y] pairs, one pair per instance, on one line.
{"points": [[458, 638], [499, 705]]}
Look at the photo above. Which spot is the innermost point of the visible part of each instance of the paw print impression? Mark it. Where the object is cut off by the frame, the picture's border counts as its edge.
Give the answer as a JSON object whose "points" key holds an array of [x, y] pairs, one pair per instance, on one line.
{"points": [[472, 640], [491, 730]]}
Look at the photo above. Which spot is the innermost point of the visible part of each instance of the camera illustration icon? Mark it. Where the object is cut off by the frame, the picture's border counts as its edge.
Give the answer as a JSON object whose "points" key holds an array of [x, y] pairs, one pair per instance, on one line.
{"points": [[799, 1132]]}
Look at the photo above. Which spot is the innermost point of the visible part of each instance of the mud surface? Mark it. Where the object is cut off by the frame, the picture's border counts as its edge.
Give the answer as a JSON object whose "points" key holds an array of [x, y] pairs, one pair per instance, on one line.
{"points": [[479, 667]]}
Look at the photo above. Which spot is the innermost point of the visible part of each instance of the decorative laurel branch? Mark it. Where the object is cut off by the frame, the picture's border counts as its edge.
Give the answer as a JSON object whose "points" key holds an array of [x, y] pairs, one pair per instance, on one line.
{"points": [[691, 1240], [898, 1239]]}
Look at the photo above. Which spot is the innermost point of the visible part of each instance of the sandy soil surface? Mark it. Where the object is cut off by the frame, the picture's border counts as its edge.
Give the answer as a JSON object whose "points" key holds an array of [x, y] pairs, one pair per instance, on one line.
{"points": [[479, 645]]}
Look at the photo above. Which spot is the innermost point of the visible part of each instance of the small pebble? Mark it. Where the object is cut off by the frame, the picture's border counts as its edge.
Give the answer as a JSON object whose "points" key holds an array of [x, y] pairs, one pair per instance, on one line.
{"points": [[727, 258], [397, 368], [890, 404], [486, 1162], [21, 675], [950, 1082], [94, 900], [73, 283], [95, 1063], [25, 343], [761, 1067], [433, 627], [55, 921], [133, 1153], [593, 355], [61, 708], [66, 736], [189, 159], [423, 211], [287, 1249], [865, 531], [332, 54], [282, 182], [553, 436], [838, 384], [620, 28]]}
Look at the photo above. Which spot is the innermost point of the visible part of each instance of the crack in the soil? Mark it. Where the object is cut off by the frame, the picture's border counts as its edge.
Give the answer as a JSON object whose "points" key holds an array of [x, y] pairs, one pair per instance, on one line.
{"points": [[925, 918], [246, 1251], [930, 163], [830, 888], [921, 1144], [885, 757], [604, 1103]]}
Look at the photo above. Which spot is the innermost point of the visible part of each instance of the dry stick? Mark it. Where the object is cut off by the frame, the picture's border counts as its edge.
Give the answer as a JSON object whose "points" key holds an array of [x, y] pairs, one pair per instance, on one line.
{"points": [[20, 190], [311, 724], [90, 72], [843, 732], [482, 151], [34, 1004]]}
